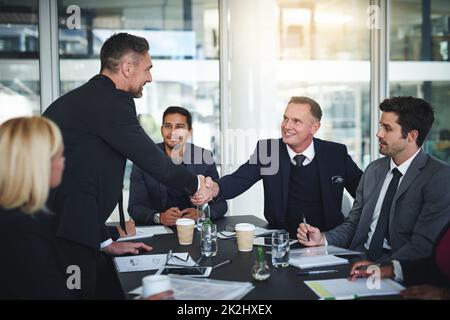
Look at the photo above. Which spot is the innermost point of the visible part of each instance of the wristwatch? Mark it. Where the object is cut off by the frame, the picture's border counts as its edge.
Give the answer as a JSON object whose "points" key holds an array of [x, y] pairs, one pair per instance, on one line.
{"points": [[157, 218]]}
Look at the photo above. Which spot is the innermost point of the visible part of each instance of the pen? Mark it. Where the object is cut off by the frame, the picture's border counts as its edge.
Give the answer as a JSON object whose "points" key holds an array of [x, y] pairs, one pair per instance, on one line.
{"points": [[306, 273], [221, 264], [307, 233], [349, 297]]}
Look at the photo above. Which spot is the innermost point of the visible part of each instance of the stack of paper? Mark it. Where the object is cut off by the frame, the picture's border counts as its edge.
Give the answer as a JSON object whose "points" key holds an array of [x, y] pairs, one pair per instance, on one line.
{"points": [[205, 289], [297, 260], [323, 251], [149, 262], [146, 232], [345, 289]]}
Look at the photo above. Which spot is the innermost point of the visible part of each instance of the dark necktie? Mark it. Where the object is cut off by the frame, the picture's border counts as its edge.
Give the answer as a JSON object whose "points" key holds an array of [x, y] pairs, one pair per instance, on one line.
{"points": [[299, 160], [382, 229]]}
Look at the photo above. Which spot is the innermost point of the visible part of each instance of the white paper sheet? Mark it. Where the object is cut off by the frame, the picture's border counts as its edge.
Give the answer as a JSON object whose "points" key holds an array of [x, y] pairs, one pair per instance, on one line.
{"points": [[258, 232], [146, 232], [345, 289], [298, 261], [323, 251], [205, 289], [149, 262]]}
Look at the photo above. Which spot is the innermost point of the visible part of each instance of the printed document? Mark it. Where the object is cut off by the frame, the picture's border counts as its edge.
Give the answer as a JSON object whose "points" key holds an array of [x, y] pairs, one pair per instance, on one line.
{"points": [[205, 289], [151, 262], [345, 289], [147, 232]]}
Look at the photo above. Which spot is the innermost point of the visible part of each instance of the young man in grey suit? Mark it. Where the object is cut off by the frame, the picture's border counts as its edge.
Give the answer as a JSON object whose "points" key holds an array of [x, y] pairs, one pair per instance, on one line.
{"points": [[402, 200]]}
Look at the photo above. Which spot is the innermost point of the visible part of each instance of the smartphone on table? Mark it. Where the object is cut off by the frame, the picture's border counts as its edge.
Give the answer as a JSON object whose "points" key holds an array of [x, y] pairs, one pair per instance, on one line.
{"points": [[194, 272]]}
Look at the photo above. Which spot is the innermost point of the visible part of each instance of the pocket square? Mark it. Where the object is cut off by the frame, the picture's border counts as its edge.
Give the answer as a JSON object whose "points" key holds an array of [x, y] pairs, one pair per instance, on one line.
{"points": [[336, 179]]}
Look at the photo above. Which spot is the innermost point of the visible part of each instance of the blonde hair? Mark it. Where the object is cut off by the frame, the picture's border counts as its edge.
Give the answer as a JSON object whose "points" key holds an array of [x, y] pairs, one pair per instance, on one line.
{"points": [[316, 111], [27, 145]]}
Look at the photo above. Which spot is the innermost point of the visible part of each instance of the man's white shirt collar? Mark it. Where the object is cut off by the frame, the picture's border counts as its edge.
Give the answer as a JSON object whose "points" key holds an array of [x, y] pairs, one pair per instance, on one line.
{"points": [[309, 153], [405, 165]]}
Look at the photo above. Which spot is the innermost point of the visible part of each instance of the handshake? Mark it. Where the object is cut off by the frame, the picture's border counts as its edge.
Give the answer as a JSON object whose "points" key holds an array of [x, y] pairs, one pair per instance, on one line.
{"points": [[207, 190]]}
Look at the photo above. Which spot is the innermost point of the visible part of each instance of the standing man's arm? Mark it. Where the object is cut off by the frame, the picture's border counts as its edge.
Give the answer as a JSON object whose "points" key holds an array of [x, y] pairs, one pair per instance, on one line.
{"points": [[139, 206]]}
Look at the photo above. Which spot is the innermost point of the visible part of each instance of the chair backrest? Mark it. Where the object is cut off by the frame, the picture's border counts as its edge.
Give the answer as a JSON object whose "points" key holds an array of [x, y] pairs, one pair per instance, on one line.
{"points": [[347, 203]]}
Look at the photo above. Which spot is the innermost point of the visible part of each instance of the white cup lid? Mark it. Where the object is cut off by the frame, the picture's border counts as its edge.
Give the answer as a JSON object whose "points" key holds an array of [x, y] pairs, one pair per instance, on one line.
{"points": [[244, 227], [154, 284], [185, 222]]}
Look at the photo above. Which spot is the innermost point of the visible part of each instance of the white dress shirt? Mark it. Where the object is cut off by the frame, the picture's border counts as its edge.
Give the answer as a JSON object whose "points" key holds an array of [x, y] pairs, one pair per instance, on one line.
{"points": [[309, 153]]}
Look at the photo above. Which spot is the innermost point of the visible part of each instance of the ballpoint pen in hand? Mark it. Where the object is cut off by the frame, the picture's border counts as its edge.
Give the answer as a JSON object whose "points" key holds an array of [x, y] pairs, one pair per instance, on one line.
{"points": [[304, 222], [306, 273]]}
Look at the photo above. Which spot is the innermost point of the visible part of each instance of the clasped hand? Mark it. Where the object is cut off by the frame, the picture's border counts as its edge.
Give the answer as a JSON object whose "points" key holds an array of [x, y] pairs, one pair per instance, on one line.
{"points": [[208, 190]]}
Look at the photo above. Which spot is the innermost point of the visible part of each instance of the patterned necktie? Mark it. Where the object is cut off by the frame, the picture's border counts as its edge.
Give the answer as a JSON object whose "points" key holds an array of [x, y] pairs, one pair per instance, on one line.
{"points": [[382, 229], [299, 160]]}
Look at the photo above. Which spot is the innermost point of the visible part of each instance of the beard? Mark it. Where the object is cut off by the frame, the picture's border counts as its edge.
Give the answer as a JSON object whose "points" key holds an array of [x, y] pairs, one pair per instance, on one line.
{"points": [[137, 93]]}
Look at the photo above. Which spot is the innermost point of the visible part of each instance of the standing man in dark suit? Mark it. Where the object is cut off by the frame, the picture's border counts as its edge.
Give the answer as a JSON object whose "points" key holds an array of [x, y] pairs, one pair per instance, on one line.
{"points": [[100, 128], [403, 199], [152, 202], [301, 175]]}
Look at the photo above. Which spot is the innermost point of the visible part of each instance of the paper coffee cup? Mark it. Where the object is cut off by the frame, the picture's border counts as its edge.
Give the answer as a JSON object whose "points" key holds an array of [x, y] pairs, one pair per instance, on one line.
{"points": [[185, 230], [245, 233], [155, 284]]}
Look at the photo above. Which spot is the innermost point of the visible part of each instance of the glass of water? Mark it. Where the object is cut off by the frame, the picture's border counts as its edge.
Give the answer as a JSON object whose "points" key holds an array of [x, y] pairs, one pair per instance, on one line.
{"points": [[280, 248], [203, 214], [208, 240]]}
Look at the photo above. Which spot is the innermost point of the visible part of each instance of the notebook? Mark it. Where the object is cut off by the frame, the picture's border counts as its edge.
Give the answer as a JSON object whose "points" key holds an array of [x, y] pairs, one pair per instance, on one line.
{"points": [[298, 261]]}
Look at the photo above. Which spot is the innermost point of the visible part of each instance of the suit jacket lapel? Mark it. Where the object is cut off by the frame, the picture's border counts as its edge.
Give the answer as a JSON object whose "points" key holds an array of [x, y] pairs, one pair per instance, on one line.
{"points": [[162, 187], [285, 169], [323, 172], [320, 163], [378, 177]]}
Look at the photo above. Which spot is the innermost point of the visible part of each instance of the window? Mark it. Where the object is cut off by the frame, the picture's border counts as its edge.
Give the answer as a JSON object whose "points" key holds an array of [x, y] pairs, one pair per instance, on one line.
{"points": [[183, 37], [319, 49], [324, 54], [420, 63], [19, 59]]}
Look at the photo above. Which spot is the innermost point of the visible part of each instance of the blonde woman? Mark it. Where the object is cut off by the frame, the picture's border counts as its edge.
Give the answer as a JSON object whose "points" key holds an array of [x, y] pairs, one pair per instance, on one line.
{"points": [[31, 162]]}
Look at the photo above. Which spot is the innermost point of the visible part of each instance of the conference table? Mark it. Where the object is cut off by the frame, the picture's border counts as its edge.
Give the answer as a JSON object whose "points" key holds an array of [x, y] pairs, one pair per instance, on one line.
{"points": [[283, 284]]}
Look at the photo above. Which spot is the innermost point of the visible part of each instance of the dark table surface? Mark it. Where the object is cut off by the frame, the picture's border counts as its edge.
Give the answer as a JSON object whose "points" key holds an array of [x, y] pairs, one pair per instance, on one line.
{"points": [[283, 284]]}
